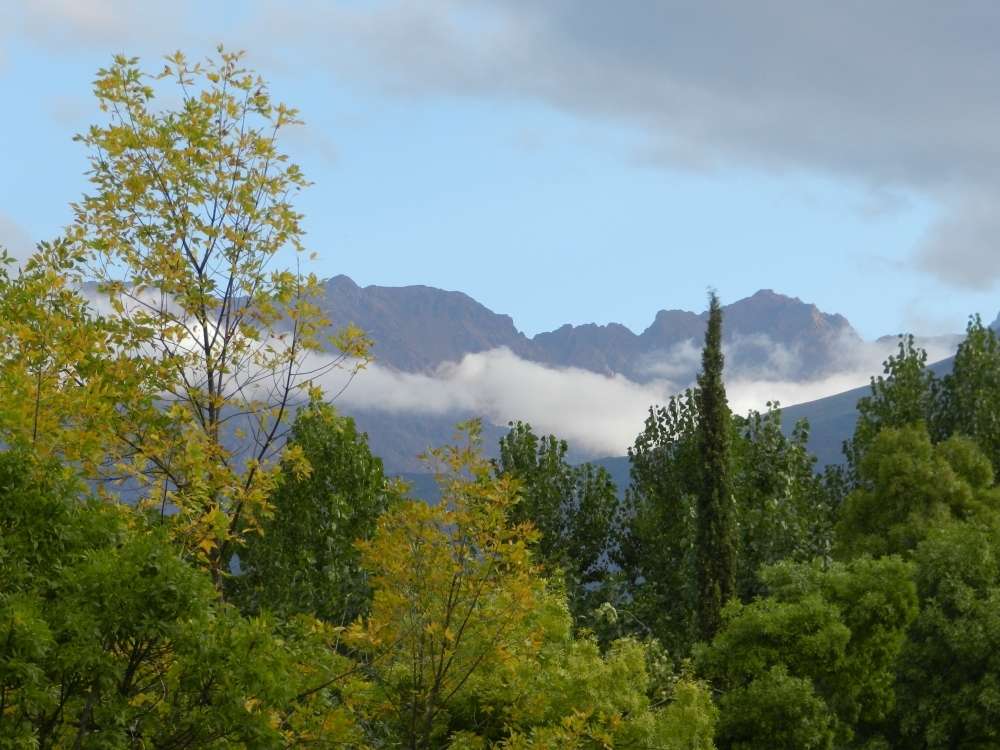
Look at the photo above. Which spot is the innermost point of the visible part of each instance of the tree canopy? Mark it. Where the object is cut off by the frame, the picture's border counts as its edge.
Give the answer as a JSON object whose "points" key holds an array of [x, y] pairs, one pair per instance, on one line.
{"points": [[198, 551], [189, 210]]}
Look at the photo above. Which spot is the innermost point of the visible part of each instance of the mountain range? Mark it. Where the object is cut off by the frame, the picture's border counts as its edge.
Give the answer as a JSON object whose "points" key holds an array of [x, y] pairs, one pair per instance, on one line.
{"points": [[417, 328], [421, 331]]}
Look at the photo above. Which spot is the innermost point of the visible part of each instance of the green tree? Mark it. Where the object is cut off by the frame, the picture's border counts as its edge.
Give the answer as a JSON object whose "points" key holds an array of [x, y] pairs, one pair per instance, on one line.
{"points": [[902, 396], [469, 647], [949, 668], [810, 665], [785, 509], [963, 402], [908, 487], [716, 540], [656, 552], [573, 508], [190, 209], [713, 497], [108, 639], [305, 560], [968, 399]]}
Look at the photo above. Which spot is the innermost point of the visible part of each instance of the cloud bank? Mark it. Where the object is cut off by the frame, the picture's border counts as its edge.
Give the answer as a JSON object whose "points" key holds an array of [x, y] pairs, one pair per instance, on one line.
{"points": [[598, 415]]}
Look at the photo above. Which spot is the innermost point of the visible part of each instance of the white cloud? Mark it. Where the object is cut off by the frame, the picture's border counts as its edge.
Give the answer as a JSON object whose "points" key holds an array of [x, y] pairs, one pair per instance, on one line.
{"points": [[596, 414]]}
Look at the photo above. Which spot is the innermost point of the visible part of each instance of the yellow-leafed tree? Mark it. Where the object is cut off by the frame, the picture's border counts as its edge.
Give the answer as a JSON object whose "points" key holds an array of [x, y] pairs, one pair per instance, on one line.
{"points": [[65, 382], [189, 214], [467, 646]]}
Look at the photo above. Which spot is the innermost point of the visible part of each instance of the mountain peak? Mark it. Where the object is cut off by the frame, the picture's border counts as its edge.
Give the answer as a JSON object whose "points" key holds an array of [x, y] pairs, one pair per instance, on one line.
{"points": [[416, 328]]}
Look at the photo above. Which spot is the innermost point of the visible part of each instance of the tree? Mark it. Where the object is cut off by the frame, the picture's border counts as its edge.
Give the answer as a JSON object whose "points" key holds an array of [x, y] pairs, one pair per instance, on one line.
{"points": [[469, 647], [452, 584], [191, 207], [62, 373], [968, 399], [572, 508], [784, 508], [903, 396], [908, 487], [949, 668], [304, 560], [716, 541], [108, 639], [810, 665], [964, 402], [656, 553], [784, 511]]}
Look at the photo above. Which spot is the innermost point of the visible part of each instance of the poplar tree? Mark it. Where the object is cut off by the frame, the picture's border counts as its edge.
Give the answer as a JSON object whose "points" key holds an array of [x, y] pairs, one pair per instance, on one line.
{"points": [[189, 215], [715, 549]]}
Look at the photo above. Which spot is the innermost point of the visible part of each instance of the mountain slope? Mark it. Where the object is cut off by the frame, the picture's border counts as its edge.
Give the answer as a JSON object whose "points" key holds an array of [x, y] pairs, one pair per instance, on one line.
{"points": [[768, 337], [417, 328], [832, 419]]}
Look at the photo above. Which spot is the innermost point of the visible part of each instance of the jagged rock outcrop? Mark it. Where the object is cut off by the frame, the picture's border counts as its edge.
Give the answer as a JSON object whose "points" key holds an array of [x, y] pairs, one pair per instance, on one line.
{"points": [[416, 328]]}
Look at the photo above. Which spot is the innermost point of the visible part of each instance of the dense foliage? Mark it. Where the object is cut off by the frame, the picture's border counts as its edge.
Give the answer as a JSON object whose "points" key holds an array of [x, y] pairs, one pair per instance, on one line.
{"points": [[469, 645], [909, 487], [305, 560], [965, 401], [573, 508], [810, 665], [783, 511], [198, 551], [110, 639]]}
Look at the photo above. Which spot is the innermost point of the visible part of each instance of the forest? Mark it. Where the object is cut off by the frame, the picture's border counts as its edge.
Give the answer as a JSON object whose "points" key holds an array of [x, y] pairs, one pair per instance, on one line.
{"points": [[197, 550]]}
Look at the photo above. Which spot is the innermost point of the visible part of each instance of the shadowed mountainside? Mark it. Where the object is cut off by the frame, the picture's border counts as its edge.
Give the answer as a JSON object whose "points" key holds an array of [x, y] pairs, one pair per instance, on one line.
{"points": [[416, 328]]}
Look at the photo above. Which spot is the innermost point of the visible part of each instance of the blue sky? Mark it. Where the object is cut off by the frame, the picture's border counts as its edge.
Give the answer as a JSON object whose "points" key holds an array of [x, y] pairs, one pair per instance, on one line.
{"points": [[589, 162]]}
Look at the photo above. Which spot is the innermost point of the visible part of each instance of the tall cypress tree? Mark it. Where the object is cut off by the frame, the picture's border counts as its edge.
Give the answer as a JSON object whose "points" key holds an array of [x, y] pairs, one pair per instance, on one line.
{"points": [[715, 555]]}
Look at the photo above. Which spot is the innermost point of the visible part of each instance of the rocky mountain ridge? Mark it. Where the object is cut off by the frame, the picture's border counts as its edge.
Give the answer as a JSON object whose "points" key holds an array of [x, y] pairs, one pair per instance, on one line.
{"points": [[417, 328]]}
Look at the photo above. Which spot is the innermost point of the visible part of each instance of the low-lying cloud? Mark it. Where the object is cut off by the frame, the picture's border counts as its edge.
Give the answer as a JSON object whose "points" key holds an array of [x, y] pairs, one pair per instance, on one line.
{"points": [[595, 413], [598, 415]]}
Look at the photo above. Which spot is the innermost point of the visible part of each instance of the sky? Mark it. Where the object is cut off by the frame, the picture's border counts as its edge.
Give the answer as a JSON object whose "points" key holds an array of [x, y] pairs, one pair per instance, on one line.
{"points": [[581, 161]]}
